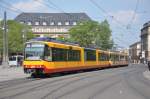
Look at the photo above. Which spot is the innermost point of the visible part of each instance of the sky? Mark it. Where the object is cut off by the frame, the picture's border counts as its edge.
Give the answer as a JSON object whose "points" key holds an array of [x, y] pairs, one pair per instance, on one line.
{"points": [[126, 17]]}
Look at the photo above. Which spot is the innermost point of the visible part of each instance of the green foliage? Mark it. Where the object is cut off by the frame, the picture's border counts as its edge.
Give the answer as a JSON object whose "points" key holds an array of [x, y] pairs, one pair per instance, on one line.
{"points": [[64, 39], [15, 36], [103, 36], [83, 33], [89, 33]]}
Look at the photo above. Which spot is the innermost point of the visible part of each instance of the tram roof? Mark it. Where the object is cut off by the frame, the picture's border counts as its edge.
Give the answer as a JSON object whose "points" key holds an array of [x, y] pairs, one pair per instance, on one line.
{"points": [[48, 39]]}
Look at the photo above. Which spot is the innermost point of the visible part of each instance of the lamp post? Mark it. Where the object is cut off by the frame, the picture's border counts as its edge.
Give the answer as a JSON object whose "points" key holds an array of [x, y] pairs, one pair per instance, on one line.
{"points": [[5, 43], [24, 37]]}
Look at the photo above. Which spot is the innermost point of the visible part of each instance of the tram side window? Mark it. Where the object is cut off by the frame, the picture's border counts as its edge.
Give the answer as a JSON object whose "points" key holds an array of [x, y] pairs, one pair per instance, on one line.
{"points": [[117, 58], [90, 55], [47, 53], [59, 54], [126, 58], [112, 57], [103, 57], [73, 55], [122, 58]]}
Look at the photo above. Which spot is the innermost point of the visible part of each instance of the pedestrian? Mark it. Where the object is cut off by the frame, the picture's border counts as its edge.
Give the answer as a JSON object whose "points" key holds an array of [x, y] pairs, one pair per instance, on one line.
{"points": [[148, 63]]}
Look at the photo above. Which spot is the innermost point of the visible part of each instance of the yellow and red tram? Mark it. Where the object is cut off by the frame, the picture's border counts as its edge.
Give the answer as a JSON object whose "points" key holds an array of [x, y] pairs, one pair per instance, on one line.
{"points": [[47, 56]]}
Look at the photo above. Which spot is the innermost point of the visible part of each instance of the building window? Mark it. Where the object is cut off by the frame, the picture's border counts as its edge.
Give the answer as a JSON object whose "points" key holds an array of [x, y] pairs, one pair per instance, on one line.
{"points": [[66, 23], [59, 23], [22, 22], [29, 23], [49, 30], [51, 23], [74, 23], [40, 30], [36, 23], [44, 23]]}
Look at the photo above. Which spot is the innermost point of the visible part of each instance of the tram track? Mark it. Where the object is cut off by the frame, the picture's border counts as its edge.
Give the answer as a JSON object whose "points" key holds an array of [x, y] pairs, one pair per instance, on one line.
{"points": [[9, 83], [38, 85], [104, 88], [87, 86], [34, 79], [64, 85], [78, 88], [29, 88], [16, 82], [140, 86], [111, 85]]}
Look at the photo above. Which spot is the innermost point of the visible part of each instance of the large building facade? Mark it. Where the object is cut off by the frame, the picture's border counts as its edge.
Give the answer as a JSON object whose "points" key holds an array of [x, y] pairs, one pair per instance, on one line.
{"points": [[51, 24], [145, 41], [135, 52]]}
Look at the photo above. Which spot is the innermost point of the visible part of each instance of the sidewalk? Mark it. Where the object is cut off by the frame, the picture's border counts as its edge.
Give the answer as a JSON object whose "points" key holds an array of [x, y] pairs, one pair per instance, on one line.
{"points": [[10, 73]]}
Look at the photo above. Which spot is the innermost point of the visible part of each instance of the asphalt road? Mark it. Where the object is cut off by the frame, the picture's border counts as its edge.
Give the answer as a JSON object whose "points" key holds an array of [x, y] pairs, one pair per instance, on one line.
{"points": [[117, 83]]}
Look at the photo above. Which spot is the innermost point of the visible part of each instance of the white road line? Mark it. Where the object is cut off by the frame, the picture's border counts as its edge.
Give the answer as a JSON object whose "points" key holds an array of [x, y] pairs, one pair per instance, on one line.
{"points": [[120, 91], [147, 74]]}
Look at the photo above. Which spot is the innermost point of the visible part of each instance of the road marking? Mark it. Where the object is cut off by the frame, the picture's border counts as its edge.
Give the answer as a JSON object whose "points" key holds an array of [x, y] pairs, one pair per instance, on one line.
{"points": [[120, 91], [146, 74]]}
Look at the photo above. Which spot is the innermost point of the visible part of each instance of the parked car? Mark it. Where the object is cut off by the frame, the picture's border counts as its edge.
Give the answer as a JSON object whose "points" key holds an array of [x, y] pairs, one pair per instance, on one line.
{"points": [[15, 60]]}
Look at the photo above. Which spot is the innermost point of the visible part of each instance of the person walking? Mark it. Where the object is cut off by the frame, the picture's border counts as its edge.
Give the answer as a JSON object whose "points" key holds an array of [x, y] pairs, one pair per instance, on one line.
{"points": [[148, 63]]}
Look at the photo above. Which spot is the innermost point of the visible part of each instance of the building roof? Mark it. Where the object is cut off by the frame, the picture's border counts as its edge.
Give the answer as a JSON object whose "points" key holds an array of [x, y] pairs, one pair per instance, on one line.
{"points": [[51, 17], [135, 44], [146, 25]]}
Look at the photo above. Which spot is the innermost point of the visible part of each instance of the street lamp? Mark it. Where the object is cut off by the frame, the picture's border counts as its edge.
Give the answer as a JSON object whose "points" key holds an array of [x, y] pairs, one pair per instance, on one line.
{"points": [[24, 37], [5, 41], [5, 46]]}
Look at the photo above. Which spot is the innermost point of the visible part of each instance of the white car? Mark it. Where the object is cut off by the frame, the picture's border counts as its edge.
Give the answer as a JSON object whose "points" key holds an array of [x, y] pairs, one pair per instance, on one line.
{"points": [[15, 60]]}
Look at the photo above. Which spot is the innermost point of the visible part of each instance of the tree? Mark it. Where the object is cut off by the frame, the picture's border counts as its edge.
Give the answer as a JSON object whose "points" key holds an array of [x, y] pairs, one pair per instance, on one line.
{"points": [[15, 36], [103, 36], [88, 33], [63, 39], [83, 33]]}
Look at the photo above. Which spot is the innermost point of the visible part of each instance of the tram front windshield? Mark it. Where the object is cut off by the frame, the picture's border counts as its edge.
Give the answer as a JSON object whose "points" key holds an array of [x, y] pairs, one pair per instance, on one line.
{"points": [[34, 51]]}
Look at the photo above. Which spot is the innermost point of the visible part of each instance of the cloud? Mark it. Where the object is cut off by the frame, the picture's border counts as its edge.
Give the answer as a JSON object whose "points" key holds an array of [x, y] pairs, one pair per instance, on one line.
{"points": [[31, 6], [125, 17]]}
